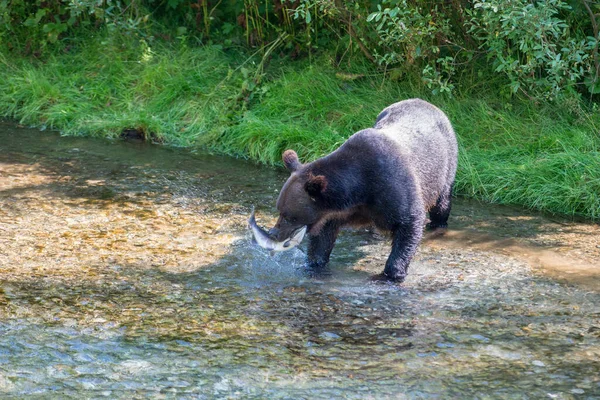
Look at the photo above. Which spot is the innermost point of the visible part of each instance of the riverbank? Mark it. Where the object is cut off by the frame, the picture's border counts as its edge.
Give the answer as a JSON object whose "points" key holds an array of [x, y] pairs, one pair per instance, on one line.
{"points": [[540, 156]]}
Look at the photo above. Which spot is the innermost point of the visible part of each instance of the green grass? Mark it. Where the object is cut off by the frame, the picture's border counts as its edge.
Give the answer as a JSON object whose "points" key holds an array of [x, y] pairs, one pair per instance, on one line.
{"points": [[541, 156], [175, 95]]}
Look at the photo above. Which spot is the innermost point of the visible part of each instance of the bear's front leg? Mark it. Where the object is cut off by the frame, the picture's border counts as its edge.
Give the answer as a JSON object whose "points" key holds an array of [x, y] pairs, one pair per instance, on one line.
{"points": [[406, 238], [321, 245]]}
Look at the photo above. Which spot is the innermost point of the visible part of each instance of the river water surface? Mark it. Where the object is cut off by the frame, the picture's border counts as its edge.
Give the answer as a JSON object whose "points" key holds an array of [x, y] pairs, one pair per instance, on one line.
{"points": [[126, 271]]}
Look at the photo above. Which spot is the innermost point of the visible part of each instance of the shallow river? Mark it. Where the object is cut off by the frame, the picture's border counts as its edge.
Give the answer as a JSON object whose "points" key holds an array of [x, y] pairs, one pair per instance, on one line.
{"points": [[126, 271]]}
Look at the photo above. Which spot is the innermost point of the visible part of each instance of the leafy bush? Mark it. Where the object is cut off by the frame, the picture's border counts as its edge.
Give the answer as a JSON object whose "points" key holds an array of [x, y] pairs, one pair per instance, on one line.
{"points": [[536, 45], [413, 37], [543, 48], [32, 26]]}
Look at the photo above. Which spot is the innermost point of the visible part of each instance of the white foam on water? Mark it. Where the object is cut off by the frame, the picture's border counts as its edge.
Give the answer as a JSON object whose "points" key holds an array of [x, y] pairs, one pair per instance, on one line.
{"points": [[261, 265]]}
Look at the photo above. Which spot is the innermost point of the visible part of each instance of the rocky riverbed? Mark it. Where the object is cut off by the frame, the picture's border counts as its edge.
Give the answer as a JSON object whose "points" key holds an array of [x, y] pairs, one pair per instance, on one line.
{"points": [[126, 271]]}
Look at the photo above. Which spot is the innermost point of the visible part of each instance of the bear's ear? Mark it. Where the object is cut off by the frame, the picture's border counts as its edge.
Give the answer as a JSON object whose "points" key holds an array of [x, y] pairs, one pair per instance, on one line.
{"points": [[290, 159], [315, 185]]}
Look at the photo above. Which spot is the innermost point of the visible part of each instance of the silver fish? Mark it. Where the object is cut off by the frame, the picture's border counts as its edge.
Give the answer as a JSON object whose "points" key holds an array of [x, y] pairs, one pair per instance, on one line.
{"points": [[265, 240]]}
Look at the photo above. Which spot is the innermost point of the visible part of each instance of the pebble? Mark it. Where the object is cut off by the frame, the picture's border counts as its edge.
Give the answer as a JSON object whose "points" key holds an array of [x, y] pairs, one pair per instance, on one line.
{"points": [[5, 384], [134, 367], [429, 354], [538, 363], [330, 336], [480, 337]]}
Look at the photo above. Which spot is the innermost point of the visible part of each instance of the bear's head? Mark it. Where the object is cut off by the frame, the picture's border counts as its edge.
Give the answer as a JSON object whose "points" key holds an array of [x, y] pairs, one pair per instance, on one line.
{"points": [[300, 200]]}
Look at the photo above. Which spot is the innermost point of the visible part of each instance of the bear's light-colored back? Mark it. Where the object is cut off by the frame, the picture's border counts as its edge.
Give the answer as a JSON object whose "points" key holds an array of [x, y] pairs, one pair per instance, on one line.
{"points": [[425, 137]]}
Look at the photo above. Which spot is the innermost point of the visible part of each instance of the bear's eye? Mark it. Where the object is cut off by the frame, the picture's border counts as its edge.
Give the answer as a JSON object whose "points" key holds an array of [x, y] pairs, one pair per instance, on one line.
{"points": [[291, 220]]}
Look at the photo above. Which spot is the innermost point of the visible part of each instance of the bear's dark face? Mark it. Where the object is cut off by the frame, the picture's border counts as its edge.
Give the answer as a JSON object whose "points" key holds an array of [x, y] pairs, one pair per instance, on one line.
{"points": [[298, 201]]}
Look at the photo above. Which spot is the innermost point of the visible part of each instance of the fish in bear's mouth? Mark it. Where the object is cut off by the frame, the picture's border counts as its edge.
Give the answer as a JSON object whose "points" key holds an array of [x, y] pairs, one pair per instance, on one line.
{"points": [[267, 242]]}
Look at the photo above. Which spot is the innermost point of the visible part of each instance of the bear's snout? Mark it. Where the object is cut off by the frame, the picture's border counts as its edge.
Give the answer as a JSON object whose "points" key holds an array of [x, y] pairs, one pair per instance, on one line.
{"points": [[274, 233], [283, 230], [280, 235]]}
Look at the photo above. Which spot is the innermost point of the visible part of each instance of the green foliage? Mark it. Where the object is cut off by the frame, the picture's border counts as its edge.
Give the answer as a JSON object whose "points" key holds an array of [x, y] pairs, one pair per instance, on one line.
{"points": [[543, 157], [172, 96], [243, 102], [546, 49], [418, 39], [36, 25], [538, 157], [39, 22], [539, 49], [414, 37], [310, 110]]}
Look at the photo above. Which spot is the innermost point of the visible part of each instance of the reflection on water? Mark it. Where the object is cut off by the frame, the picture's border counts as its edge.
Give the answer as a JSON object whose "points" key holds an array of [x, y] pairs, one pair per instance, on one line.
{"points": [[126, 271]]}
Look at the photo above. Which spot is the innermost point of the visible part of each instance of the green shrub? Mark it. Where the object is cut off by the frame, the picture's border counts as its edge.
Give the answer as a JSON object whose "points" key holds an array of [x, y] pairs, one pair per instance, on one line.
{"points": [[537, 45]]}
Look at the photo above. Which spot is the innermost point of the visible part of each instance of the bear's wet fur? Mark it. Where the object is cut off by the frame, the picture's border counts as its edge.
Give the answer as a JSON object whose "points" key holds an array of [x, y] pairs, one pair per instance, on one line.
{"points": [[389, 175]]}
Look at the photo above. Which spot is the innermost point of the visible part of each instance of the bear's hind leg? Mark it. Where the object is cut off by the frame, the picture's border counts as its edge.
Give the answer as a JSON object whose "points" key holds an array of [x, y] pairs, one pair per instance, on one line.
{"points": [[321, 245], [438, 214]]}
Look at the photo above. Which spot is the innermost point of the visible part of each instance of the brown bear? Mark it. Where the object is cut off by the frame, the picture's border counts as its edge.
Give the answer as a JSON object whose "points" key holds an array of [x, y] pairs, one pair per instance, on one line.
{"points": [[388, 176]]}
